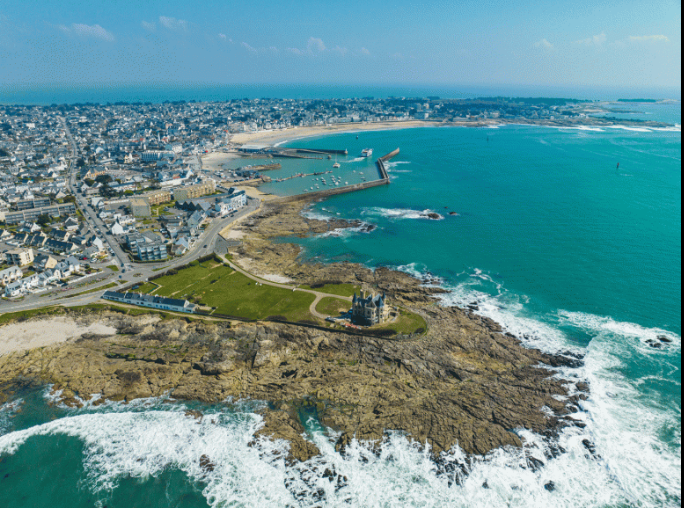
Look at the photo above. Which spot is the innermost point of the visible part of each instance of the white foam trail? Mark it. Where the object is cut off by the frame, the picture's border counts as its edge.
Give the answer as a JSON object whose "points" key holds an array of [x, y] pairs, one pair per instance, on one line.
{"points": [[142, 445], [7, 411], [633, 129], [400, 213], [599, 326], [314, 215], [583, 128], [365, 227]]}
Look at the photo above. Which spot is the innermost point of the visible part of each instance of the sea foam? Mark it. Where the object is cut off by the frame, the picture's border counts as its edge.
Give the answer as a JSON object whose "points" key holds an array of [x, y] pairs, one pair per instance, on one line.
{"points": [[401, 213]]}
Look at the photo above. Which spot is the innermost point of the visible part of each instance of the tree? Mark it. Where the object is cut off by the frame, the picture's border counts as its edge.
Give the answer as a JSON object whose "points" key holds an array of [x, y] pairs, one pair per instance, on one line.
{"points": [[103, 179], [80, 162], [4, 153], [44, 220]]}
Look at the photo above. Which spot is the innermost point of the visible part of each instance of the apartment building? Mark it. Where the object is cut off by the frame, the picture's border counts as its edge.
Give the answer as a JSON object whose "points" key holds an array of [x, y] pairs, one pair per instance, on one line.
{"points": [[194, 191], [20, 257]]}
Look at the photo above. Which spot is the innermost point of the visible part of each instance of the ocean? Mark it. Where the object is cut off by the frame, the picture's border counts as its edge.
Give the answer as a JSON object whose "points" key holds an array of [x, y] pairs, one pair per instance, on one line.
{"points": [[540, 227]]}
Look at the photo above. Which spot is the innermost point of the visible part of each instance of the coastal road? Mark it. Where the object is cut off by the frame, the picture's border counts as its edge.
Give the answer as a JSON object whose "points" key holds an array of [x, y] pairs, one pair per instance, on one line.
{"points": [[135, 272]]}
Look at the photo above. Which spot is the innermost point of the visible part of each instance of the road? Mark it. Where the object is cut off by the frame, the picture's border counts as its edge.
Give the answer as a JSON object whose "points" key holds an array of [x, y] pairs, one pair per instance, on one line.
{"points": [[135, 272]]}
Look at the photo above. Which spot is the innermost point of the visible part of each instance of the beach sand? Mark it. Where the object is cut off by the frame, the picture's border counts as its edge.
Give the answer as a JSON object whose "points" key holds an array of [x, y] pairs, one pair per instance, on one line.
{"points": [[46, 332], [275, 137]]}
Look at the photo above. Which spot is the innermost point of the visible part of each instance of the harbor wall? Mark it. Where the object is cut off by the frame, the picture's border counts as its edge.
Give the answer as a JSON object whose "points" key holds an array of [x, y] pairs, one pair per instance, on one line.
{"points": [[320, 150], [332, 192], [381, 164]]}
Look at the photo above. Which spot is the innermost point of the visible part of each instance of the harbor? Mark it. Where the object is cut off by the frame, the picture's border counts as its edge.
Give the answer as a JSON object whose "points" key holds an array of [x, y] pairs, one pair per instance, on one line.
{"points": [[312, 172]]}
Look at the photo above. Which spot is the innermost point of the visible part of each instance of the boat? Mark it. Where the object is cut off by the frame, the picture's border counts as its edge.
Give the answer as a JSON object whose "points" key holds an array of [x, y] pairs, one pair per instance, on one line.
{"points": [[336, 165], [366, 152]]}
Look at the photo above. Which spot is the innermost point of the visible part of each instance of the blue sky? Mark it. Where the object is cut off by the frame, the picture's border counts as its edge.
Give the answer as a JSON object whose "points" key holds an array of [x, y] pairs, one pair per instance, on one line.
{"points": [[483, 42]]}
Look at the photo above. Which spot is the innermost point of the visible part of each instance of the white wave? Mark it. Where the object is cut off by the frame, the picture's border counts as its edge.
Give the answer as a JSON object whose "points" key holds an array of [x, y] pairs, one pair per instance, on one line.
{"points": [[401, 213], [598, 326], [365, 227], [356, 159], [142, 445], [7, 411], [583, 128], [393, 165], [676, 128], [633, 129], [314, 215]]}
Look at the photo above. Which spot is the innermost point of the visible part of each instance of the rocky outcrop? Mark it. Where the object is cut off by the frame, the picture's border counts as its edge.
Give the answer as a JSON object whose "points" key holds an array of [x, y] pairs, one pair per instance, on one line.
{"points": [[464, 383]]}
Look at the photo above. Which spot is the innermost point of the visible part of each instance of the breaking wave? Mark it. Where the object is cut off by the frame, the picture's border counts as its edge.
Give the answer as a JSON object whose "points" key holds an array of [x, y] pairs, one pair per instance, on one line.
{"points": [[402, 213]]}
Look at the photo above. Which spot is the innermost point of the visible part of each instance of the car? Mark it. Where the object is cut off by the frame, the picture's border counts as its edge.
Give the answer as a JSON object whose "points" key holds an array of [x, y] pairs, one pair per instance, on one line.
{"points": [[205, 246]]}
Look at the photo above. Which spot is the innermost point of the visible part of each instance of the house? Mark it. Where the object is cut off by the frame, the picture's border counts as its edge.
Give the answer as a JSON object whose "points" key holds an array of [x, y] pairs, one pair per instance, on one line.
{"points": [[5, 234], [154, 302], [71, 224], [56, 245], [69, 266], [44, 262], [58, 234], [9, 275], [36, 240], [29, 227], [369, 310], [180, 247], [196, 219], [117, 229]]}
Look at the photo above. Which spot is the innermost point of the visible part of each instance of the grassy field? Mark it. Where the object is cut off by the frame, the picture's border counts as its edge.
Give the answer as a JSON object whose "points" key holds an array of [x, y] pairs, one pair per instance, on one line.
{"points": [[333, 306], [231, 293], [113, 268], [336, 289], [406, 324], [26, 314]]}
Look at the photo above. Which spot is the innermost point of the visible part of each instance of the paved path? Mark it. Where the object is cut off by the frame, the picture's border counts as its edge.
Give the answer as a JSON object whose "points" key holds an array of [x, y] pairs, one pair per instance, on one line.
{"points": [[312, 308]]}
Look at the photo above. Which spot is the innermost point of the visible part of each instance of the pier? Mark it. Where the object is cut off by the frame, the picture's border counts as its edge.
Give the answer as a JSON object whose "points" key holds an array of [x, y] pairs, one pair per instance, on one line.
{"points": [[381, 164], [323, 151]]}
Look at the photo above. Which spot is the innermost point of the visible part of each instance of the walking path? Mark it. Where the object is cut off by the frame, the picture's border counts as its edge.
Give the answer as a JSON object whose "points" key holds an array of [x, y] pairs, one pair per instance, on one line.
{"points": [[312, 308]]}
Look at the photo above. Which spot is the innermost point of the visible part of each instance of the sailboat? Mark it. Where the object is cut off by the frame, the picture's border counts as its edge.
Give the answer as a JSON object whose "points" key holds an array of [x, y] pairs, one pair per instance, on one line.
{"points": [[337, 164]]}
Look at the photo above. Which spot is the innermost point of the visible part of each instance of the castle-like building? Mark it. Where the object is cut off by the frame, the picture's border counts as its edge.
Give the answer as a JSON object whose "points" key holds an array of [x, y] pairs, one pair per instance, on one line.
{"points": [[369, 310]]}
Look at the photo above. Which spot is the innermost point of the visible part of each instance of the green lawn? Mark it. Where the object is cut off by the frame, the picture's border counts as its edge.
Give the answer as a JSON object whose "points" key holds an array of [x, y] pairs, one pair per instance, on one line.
{"points": [[26, 314], [333, 306], [113, 268], [336, 289], [406, 324], [231, 293]]}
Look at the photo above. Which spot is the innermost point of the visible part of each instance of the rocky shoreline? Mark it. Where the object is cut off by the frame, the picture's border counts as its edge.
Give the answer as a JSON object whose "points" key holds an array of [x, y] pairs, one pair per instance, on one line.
{"points": [[464, 383]]}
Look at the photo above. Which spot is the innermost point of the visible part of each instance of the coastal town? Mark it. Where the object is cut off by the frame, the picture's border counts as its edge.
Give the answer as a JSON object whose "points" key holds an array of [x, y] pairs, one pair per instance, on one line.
{"points": [[93, 196]]}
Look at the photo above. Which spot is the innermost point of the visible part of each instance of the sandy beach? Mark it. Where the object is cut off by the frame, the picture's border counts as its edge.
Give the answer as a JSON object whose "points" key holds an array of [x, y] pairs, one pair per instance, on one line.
{"points": [[46, 332], [276, 137]]}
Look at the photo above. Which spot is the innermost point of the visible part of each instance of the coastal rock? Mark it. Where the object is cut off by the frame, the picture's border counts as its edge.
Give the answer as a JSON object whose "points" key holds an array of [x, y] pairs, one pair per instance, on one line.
{"points": [[462, 383]]}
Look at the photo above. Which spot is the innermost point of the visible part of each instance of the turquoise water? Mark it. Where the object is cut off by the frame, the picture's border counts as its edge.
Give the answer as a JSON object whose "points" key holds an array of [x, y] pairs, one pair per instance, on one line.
{"points": [[550, 238], [103, 93]]}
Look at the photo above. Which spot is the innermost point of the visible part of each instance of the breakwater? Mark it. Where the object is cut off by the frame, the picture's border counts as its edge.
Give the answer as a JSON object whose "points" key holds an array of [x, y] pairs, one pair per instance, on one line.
{"points": [[285, 155], [324, 151], [338, 190], [381, 164]]}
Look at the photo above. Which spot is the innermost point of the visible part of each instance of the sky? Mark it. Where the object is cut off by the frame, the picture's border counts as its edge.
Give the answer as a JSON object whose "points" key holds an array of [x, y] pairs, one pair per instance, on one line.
{"points": [[472, 42]]}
